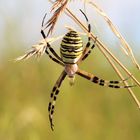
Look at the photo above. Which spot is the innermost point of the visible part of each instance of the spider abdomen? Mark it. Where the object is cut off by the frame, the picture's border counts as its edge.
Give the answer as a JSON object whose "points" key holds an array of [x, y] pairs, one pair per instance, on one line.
{"points": [[71, 47]]}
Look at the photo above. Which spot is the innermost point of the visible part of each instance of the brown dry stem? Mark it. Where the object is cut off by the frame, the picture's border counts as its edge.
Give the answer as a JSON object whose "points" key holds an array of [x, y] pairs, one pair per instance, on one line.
{"points": [[58, 8], [104, 49], [60, 5], [128, 51]]}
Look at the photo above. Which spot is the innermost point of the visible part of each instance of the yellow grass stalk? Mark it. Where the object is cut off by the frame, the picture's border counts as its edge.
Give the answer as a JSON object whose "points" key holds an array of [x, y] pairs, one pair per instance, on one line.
{"points": [[128, 51]]}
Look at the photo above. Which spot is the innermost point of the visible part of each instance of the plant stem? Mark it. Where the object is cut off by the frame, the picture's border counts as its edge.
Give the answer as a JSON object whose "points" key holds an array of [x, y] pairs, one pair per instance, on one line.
{"points": [[102, 48]]}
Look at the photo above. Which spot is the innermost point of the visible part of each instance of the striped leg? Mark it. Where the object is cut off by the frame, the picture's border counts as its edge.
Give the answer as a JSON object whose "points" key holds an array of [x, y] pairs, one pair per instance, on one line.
{"points": [[101, 82], [87, 50], [53, 97], [48, 45], [54, 59]]}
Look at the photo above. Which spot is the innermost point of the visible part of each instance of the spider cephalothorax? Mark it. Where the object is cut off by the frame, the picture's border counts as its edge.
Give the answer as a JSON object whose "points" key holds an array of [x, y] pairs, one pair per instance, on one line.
{"points": [[72, 54]]}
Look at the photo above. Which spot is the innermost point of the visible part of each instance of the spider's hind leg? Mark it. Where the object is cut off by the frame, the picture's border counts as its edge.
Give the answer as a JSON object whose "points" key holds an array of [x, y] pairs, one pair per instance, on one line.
{"points": [[53, 96], [101, 82]]}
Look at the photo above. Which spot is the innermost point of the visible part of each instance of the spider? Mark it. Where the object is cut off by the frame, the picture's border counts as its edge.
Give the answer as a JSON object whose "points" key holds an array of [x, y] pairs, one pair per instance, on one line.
{"points": [[72, 54]]}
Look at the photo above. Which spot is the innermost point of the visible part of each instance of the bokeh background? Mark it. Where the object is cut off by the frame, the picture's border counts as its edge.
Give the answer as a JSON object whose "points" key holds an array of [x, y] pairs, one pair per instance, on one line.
{"points": [[84, 111]]}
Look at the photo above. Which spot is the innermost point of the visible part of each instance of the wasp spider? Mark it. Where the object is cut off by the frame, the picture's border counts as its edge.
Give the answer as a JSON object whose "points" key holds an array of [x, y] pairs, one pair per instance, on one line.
{"points": [[72, 54]]}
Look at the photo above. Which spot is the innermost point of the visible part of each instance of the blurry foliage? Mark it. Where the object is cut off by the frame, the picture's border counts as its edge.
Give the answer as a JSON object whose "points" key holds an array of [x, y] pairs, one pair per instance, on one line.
{"points": [[84, 111]]}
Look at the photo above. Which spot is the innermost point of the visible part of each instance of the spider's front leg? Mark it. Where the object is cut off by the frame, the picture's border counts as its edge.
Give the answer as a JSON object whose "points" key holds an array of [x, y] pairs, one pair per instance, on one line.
{"points": [[54, 59], [101, 82], [53, 97], [49, 46]]}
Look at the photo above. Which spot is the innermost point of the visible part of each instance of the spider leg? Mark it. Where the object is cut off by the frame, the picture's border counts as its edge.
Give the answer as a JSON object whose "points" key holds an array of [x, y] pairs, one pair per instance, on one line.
{"points": [[101, 82], [87, 50], [53, 96], [54, 59], [48, 45]]}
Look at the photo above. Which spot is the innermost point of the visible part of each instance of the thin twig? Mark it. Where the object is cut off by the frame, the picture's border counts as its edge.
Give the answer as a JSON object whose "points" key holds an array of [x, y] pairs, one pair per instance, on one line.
{"points": [[128, 51], [121, 76]]}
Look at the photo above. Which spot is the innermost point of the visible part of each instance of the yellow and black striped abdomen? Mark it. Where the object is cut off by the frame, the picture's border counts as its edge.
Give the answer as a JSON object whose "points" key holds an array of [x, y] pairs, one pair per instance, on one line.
{"points": [[71, 47]]}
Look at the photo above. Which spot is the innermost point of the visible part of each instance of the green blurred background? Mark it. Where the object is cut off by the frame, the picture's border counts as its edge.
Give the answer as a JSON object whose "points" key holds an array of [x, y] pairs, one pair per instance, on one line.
{"points": [[84, 111]]}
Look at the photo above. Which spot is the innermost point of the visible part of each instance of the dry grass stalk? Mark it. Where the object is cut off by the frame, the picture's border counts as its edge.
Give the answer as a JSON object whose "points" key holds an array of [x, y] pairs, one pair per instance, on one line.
{"points": [[58, 6], [128, 51], [62, 5], [38, 49], [103, 49], [58, 3], [120, 75]]}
